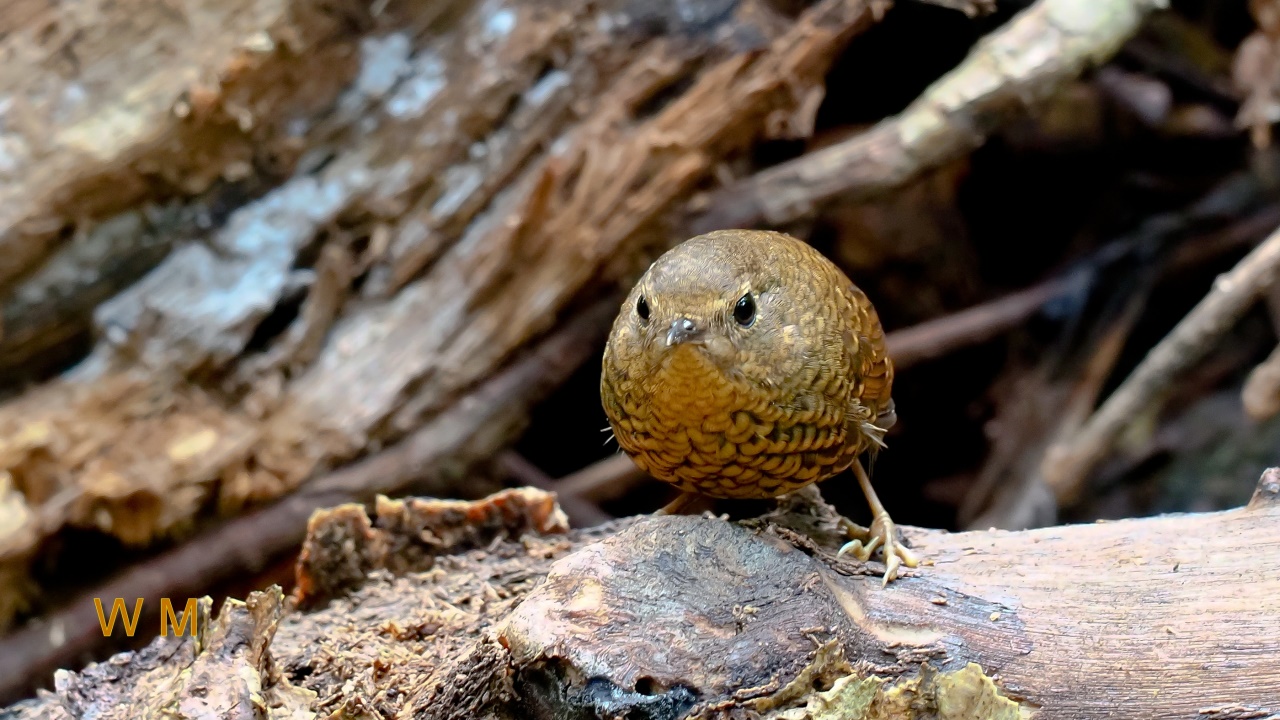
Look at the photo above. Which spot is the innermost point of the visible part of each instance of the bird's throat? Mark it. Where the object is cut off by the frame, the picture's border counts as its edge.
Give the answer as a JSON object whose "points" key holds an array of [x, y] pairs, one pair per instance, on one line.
{"points": [[690, 384]]}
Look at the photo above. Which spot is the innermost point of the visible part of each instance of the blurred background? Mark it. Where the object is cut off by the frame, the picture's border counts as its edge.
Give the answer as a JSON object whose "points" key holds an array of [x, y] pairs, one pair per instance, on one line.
{"points": [[259, 257]]}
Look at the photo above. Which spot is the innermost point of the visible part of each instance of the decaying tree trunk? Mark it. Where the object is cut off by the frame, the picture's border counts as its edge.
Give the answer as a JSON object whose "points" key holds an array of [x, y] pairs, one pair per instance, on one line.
{"points": [[436, 609]]}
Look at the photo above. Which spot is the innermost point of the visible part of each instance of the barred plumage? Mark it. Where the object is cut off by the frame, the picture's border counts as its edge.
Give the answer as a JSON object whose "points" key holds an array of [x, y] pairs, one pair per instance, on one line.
{"points": [[744, 364]]}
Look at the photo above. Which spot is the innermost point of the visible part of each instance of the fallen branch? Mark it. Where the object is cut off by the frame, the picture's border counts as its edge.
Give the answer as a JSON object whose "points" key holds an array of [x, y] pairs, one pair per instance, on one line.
{"points": [[934, 338], [581, 511], [683, 616], [1073, 622], [470, 431], [602, 481], [1261, 392], [1067, 462], [1017, 66]]}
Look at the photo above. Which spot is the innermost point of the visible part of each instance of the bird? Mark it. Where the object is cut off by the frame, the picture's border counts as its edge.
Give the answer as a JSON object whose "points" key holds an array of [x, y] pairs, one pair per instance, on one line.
{"points": [[744, 364]]}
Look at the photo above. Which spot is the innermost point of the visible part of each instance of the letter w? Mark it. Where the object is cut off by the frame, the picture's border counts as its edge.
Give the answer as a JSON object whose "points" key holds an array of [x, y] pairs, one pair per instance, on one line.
{"points": [[118, 607], [168, 617]]}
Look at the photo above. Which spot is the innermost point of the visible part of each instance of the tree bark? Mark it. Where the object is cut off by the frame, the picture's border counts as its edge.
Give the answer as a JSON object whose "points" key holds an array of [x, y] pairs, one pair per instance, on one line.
{"points": [[445, 610], [1160, 617]]}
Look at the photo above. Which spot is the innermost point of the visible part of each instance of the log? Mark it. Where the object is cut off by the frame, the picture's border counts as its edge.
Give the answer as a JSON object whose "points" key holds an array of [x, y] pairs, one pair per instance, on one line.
{"points": [[683, 617], [1157, 617]]}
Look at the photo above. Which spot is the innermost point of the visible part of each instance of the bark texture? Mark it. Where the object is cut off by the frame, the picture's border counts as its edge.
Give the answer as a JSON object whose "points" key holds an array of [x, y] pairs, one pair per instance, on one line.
{"points": [[490, 609]]}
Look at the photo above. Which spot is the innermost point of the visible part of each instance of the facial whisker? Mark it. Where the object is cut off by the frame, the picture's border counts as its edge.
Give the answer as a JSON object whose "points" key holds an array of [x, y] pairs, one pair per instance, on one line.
{"points": [[875, 433]]}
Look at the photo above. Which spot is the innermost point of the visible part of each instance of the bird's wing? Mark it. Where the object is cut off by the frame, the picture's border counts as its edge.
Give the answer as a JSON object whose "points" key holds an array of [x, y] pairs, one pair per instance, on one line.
{"points": [[872, 369]]}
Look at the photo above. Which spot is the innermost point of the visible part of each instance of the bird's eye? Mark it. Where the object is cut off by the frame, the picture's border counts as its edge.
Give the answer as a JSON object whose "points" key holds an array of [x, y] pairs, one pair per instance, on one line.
{"points": [[745, 311], [642, 308]]}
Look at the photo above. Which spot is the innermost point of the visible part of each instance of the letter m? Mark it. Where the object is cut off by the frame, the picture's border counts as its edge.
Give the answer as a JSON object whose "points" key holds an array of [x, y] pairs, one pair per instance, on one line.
{"points": [[168, 617], [118, 608]]}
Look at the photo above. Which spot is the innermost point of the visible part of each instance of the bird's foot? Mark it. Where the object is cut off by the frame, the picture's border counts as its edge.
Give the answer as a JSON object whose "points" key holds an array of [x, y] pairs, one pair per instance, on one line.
{"points": [[883, 536]]}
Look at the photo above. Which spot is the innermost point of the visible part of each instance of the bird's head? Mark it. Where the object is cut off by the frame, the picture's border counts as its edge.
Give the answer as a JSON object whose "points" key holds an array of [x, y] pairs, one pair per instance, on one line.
{"points": [[723, 295]]}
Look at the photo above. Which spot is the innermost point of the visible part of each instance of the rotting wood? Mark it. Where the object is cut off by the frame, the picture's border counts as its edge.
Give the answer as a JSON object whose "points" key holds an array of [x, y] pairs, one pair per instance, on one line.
{"points": [[342, 545], [123, 94], [127, 225], [681, 616], [54, 303], [426, 629], [502, 171], [429, 460], [582, 512], [1072, 622]]}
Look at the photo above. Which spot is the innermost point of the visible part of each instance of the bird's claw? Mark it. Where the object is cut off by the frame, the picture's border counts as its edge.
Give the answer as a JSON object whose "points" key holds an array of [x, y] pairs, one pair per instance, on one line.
{"points": [[882, 535]]}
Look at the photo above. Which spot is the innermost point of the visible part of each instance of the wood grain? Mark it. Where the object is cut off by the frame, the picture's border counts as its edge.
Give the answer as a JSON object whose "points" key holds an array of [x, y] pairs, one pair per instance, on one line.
{"points": [[1174, 616], [441, 612]]}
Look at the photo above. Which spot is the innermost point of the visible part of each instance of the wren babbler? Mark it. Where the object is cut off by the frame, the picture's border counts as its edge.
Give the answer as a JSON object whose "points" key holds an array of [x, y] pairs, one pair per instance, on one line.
{"points": [[745, 364]]}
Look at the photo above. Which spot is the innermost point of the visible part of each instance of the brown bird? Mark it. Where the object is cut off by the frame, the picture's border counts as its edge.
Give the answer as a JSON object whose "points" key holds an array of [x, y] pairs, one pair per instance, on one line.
{"points": [[745, 364]]}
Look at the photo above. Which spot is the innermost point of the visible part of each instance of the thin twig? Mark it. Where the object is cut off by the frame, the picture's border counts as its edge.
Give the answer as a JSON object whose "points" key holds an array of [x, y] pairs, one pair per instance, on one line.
{"points": [[1018, 65], [606, 480], [581, 512], [1010, 493], [937, 337], [1245, 232], [972, 8], [1261, 393], [1068, 462]]}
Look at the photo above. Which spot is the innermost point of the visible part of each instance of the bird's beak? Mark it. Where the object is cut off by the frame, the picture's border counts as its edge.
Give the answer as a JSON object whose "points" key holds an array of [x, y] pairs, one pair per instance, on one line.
{"points": [[683, 330]]}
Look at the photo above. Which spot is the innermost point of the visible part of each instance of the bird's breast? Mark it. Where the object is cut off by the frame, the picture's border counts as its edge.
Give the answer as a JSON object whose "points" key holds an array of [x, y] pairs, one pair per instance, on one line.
{"points": [[694, 424], [689, 387]]}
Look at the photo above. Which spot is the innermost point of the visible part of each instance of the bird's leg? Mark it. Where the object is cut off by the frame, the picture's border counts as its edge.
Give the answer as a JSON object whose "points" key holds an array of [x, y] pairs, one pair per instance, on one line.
{"points": [[686, 503], [882, 534]]}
